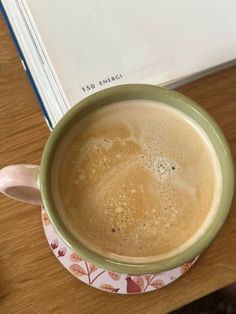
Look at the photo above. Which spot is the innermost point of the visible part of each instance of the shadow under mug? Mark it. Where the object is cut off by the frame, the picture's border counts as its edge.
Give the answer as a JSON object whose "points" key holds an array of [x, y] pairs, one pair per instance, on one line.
{"points": [[33, 184]]}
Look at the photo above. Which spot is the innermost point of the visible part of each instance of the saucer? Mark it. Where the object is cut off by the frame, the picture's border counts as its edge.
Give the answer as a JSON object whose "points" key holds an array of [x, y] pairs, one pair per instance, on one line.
{"points": [[103, 279]]}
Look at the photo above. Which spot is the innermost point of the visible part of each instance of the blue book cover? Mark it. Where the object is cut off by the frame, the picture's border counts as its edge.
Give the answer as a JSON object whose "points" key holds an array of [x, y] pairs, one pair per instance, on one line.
{"points": [[31, 80]]}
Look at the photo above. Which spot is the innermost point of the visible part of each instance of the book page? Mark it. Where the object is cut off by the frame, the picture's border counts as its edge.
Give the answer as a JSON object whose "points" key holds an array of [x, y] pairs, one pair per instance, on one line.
{"points": [[94, 44]]}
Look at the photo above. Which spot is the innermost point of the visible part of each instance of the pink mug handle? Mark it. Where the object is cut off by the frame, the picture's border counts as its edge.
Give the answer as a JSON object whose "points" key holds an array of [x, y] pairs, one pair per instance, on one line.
{"points": [[21, 182]]}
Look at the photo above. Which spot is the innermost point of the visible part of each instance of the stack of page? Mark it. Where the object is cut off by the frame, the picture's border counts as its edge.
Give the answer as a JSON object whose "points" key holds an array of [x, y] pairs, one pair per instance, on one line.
{"points": [[71, 49]]}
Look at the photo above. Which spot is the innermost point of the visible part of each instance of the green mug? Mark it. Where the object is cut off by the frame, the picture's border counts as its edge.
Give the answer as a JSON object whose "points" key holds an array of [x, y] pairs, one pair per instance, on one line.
{"points": [[33, 183]]}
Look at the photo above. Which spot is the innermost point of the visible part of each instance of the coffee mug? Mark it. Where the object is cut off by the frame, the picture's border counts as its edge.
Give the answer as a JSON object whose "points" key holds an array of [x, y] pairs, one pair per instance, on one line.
{"points": [[30, 183]]}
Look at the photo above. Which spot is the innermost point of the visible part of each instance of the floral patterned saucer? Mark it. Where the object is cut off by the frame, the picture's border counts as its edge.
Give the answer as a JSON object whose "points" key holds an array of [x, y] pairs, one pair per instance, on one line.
{"points": [[103, 279]]}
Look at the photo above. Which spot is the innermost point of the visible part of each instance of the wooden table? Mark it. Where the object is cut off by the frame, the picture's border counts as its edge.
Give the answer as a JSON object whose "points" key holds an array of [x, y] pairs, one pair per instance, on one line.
{"points": [[31, 279]]}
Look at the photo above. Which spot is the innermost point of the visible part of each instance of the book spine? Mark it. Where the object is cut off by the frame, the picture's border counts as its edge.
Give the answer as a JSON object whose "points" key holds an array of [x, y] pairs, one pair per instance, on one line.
{"points": [[25, 66]]}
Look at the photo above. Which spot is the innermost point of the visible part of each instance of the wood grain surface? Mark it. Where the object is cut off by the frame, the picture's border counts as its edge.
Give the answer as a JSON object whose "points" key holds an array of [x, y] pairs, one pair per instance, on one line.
{"points": [[31, 279]]}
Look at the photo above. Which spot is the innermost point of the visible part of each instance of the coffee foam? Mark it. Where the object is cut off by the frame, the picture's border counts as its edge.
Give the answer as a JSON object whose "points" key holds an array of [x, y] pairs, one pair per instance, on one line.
{"points": [[131, 194]]}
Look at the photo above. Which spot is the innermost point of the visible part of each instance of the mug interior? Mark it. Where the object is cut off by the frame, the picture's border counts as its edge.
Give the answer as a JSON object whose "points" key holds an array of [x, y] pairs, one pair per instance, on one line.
{"points": [[131, 92]]}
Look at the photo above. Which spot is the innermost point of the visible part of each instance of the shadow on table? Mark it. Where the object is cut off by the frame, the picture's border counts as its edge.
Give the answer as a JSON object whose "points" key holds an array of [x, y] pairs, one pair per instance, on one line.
{"points": [[220, 302]]}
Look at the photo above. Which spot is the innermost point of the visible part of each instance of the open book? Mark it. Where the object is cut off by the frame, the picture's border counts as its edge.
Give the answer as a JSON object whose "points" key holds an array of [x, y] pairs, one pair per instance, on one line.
{"points": [[72, 48]]}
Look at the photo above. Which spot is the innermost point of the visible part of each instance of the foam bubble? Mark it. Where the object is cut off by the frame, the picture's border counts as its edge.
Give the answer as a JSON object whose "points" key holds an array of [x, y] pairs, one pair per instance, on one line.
{"points": [[119, 209], [129, 157]]}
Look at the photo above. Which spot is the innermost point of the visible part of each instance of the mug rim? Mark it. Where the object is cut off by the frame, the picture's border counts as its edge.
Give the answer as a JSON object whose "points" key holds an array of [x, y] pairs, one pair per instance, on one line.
{"points": [[147, 92]]}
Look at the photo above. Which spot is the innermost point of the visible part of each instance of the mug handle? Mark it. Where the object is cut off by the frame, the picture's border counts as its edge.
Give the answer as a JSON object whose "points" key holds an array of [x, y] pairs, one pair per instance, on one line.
{"points": [[21, 182]]}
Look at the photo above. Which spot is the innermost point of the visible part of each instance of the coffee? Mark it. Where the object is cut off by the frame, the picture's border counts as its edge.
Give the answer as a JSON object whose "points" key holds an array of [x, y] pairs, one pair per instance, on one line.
{"points": [[138, 181]]}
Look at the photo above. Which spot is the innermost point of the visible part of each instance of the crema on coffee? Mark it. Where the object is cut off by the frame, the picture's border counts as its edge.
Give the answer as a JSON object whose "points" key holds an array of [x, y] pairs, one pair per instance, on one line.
{"points": [[138, 181]]}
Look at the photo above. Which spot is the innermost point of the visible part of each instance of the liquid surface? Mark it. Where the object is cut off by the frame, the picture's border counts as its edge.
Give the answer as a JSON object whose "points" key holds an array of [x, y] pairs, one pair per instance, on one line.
{"points": [[137, 180]]}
